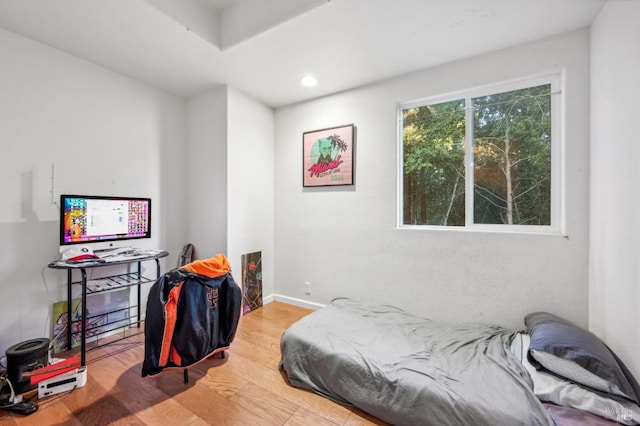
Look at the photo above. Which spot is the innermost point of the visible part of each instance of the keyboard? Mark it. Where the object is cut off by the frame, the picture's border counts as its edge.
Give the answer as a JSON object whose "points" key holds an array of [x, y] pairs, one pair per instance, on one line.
{"points": [[126, 253], [114, 252]]}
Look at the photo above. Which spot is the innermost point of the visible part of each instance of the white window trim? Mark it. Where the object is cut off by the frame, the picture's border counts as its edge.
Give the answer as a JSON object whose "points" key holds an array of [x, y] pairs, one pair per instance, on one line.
{"points": [[557, 214]]}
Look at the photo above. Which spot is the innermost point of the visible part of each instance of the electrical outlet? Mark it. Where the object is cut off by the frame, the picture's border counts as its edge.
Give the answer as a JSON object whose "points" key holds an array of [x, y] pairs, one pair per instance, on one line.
{"points": [[307, 288]]}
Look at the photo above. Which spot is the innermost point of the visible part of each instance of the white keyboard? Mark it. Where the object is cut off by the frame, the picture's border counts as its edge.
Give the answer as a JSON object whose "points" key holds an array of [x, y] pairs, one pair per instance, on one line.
{"points": [[126, 253], [121, 251]]}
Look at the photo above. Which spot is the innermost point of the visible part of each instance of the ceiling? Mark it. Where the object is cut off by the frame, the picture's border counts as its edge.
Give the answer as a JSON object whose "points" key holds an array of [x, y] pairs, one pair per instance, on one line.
{"points": [[264, 47]]}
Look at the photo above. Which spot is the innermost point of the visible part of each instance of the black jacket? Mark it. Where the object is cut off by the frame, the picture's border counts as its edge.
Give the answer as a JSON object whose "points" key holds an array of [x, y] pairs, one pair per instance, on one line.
{"points": [[192, 313]]}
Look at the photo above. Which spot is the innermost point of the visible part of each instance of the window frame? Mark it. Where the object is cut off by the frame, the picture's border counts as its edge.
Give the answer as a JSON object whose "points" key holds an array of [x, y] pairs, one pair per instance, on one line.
{"points": [[557, 215]]}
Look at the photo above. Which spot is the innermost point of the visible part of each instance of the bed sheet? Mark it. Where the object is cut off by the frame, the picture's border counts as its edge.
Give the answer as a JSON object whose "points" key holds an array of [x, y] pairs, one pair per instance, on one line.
{"points": [[408, 370]]}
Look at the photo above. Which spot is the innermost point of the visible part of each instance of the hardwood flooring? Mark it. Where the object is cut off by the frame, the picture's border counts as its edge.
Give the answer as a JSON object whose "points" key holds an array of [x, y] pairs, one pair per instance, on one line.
{"points": [[244, 388]]}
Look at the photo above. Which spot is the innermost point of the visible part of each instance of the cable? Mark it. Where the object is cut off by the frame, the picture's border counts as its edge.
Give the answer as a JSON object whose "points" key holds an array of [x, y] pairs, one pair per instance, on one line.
{"points": [[44, 281], [48, 317], [12, 397]]}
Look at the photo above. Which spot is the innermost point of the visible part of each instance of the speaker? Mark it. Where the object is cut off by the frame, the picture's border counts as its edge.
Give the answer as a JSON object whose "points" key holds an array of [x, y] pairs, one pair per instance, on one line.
{"points": [[23, 357]]}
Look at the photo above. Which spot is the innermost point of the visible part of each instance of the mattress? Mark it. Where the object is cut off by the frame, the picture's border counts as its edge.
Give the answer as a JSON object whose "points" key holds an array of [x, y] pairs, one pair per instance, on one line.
{"points": [[408, 370]]}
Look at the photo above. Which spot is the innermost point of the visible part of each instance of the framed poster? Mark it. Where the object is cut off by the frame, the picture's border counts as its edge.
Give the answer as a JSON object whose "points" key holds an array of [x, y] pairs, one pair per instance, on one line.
{"points": [[327, 156]]}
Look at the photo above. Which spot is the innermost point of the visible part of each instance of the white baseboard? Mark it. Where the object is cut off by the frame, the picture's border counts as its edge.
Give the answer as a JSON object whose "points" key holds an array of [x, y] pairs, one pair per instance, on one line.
{"points": [[292, 301], [268, 299]]}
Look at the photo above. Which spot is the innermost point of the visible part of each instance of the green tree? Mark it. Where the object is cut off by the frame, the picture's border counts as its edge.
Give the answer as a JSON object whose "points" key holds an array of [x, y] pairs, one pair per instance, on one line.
{"points": [[512, 157], [433, 155]]}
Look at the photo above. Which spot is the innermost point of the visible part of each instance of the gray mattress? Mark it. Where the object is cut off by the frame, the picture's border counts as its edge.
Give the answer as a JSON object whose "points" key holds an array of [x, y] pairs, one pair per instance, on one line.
{"points": [[408, 370]]}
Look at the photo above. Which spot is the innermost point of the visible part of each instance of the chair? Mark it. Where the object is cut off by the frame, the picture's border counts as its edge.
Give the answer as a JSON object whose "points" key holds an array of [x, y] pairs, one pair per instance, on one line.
{"points": [[192, 314]]}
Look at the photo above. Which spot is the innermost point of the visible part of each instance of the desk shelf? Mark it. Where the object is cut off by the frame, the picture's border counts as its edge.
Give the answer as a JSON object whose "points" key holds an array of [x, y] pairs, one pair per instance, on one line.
{"points": [[101, 327], [114, 282], [132, 315]]}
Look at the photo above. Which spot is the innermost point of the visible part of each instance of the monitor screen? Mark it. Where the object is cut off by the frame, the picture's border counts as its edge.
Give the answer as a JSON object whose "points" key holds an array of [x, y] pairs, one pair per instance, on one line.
{"points": [[94, 219]]}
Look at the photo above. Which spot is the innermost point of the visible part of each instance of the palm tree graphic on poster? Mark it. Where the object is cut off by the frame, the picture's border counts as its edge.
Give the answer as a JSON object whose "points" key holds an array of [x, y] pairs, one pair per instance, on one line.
{"points": [[328, 156]]}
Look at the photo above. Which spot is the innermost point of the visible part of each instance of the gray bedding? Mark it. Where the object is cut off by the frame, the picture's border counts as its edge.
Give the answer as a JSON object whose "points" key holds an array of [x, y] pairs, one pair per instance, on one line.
{"points": [[408, 370]]}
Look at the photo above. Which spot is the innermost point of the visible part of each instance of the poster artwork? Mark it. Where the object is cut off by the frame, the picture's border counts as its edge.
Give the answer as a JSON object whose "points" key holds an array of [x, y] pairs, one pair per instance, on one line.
{"points": [[106, 312], [251, 281], [328, 156]]}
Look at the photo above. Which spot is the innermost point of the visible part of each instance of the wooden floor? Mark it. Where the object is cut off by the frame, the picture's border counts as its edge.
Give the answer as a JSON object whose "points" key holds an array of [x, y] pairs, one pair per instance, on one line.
{"points": [[244, 388]]}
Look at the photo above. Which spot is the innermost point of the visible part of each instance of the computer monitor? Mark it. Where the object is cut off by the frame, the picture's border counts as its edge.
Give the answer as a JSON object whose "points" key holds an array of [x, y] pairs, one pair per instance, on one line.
{"points": [[100, 222]]}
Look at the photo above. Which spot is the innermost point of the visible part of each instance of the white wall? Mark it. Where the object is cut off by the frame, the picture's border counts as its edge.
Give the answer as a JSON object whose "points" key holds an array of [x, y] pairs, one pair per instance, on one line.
{"points": [[106, 135], [614, 308], [344, 239], [250, 184], [205, 212], [230, 175]]}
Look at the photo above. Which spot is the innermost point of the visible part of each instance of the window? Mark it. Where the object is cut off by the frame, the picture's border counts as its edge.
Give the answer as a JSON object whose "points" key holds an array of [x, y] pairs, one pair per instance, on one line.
{"points": [[486, 159]]}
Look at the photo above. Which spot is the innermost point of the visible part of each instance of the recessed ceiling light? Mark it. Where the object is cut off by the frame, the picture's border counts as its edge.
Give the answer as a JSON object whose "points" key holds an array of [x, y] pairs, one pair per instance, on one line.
{"points": [[309, 81]]}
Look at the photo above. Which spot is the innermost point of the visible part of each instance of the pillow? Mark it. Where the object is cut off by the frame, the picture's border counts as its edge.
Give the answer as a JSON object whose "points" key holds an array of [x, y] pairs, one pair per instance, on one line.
{"points": [[571, 352], [550, 388]]}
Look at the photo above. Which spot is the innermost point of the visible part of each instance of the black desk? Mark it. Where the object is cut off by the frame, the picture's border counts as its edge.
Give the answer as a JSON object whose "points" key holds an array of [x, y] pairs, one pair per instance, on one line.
{"points": [[120, 281]]}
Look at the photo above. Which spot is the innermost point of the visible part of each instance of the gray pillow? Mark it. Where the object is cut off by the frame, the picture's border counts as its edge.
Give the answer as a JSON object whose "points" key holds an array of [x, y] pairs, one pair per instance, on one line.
{"points": [[551, 388], [575, 354]]}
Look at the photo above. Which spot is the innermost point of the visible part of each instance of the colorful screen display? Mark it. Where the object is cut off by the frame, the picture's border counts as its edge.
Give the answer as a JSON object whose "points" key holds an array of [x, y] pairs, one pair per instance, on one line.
{"points": [[86, 219]]}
